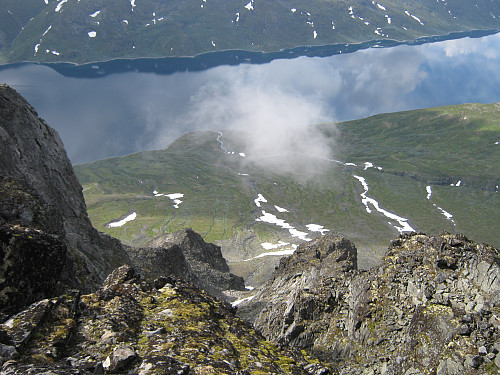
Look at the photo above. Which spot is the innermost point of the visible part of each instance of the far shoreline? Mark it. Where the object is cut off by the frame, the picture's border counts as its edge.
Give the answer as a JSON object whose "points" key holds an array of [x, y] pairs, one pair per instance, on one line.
{"points": [[207, 60]]}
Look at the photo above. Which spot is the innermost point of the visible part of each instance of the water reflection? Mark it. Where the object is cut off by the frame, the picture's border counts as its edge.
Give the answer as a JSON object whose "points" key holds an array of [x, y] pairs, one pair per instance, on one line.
{"points": [[127, 112]]}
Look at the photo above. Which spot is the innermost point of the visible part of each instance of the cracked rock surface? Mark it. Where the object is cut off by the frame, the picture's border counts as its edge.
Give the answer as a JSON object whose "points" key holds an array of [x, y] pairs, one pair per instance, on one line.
{"points": [[432, 306]]}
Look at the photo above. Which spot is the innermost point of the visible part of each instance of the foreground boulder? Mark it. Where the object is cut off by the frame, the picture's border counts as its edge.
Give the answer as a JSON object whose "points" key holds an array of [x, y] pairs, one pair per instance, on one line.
{"points": [[131, 326], [432, 306]]}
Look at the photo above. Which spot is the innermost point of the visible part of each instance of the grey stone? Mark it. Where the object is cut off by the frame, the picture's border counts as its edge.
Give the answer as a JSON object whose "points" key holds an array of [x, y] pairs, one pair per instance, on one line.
{"points": [[472, 361], [120, 359], [7, 353]]}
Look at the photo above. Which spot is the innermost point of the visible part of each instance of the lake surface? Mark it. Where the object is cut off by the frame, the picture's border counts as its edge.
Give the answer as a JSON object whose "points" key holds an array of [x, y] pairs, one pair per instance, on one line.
{"points": [[120, 107]]}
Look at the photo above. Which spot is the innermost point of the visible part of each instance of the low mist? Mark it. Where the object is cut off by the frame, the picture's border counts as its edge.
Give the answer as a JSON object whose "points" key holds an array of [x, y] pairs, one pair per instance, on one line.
{"points": [[276, 121]]}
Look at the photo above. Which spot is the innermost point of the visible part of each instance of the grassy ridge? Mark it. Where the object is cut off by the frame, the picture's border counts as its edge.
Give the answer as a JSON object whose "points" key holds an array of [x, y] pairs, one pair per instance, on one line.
{"points": [[190, 27], [434, 147]]}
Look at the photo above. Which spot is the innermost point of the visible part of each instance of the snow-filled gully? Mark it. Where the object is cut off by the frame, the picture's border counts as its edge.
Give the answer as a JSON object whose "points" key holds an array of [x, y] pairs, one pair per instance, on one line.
{"points": [[367, 201]]}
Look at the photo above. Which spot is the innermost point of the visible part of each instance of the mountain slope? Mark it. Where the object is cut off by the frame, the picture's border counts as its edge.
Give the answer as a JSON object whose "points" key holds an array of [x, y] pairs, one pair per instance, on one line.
{"points": [[427, 170], [90, 30]]}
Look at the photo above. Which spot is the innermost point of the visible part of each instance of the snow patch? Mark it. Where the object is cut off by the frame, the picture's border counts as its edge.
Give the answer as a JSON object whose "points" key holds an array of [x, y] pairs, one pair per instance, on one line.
{"points": [[46, 31], [92, 34], [249, 6], [260, 198], [272, 219], [120, 223], [414, 17], [280, 209], [403, 222], [274, 253], [237, 302], [457, 184], [315, 34], [317, 228], [445, 214], [174, 197], [95, 14], [293, 10], [270, 246], [370, 165], [429, 192], [60, 4]]}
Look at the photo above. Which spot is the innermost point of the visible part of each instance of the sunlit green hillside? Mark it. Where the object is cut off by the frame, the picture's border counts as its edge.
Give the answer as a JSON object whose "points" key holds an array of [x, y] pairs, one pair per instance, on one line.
{"points": [[419, 166]]}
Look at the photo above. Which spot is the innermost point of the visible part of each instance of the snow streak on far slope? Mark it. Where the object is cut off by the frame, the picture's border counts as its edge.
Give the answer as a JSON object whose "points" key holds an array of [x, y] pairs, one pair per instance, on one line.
{"points": [[429, 192], [120, 223], [174, 197], [403, 223], [60, 4], [260, 198], [445, 214], [294, 232]]}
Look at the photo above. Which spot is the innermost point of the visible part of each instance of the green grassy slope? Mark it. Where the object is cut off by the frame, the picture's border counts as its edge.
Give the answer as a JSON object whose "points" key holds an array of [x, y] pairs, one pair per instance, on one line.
{"points": [[154, 28], [432, 147]]}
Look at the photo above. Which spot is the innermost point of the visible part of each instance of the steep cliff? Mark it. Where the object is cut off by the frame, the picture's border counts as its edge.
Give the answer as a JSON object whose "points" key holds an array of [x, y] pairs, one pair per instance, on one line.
{"points": [[432, 306], [39, 189]]}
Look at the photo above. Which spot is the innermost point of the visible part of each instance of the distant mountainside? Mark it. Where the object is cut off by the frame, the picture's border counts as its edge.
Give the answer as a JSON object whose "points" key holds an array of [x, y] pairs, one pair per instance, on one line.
{"points": [[91, 30], [430, 307], [425, 170]]}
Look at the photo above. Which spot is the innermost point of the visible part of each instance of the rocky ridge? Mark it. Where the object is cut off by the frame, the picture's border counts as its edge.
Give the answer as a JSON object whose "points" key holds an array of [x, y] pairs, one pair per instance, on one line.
{"points": [[432, 306], [130, 326]]}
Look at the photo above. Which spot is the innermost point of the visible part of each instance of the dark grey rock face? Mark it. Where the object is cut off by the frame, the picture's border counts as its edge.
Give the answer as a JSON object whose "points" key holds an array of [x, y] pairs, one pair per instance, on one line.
{"points": [[39, 189], [432, 306], [31, 266], [204, 264]]}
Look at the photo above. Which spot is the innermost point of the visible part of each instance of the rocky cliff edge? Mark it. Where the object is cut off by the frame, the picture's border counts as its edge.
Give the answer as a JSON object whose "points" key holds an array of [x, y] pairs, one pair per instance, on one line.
{"points": [[431, 307]]}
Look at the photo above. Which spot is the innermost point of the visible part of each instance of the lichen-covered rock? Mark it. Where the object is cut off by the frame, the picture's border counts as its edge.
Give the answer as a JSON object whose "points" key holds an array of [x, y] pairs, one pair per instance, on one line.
{"points": [[432, 306], [129, 326]]}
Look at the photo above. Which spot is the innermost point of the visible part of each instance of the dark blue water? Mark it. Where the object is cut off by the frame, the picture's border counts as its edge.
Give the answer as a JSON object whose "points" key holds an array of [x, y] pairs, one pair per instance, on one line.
{"points": [[123, 106]]}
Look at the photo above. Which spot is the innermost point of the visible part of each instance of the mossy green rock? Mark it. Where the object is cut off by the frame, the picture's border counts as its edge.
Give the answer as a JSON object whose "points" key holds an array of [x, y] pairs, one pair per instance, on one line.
{"points": [[431, 306], [130, 326]]}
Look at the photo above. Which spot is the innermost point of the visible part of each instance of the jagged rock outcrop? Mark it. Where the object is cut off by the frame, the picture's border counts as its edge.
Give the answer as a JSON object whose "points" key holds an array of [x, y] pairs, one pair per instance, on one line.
{"points": [[431, 307], [39, 190], [130, 326], [206, 267]]}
